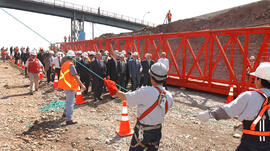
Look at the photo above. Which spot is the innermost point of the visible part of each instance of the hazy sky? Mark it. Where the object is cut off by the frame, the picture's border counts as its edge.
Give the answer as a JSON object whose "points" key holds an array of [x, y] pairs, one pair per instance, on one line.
{"points": [[55, 28]]}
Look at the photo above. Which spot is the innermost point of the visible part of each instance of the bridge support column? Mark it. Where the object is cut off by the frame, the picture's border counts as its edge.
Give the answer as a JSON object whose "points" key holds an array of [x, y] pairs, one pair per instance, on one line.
{"points": [[77, 26]]}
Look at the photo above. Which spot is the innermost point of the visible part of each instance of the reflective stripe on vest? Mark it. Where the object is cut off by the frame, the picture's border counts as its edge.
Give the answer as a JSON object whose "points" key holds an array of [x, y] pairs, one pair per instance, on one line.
{"points": [[63, 77], [89, 59], [264, 108], [151, 108], [66, 80]]}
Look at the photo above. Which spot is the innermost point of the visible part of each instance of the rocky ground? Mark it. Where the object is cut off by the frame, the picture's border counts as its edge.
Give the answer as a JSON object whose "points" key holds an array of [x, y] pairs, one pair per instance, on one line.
{"points": [[23, 126]]}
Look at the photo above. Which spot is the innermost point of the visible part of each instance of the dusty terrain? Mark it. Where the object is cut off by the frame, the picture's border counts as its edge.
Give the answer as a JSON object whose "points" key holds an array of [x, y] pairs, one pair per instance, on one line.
{"points": [[24, 127]]}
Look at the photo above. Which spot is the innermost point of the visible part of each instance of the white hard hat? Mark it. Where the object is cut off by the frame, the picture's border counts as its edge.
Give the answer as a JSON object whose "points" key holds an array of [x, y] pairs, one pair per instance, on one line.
{"points": [[79, 52], [158, 71], [58, 54], [91, 53], [106, 53], [51, 52], [124, 52], [135, 53], [148, 54], [263, 71], [33, 52], [116, 52], [252, 57], [71, 53], [122, 56], [85, 55]]}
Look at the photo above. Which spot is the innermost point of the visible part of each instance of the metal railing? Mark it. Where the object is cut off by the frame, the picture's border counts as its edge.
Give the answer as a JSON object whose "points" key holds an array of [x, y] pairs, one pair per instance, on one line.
{"points": [[88, 9]]}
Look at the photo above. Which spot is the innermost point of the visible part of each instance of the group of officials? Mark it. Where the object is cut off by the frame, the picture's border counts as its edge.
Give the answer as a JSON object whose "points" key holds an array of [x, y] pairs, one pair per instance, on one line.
{"points": [[92, 67]]}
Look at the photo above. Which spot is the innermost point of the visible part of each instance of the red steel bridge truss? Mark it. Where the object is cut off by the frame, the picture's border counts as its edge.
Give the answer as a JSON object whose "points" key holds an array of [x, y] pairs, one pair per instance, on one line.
{"points": [[208, 60]]}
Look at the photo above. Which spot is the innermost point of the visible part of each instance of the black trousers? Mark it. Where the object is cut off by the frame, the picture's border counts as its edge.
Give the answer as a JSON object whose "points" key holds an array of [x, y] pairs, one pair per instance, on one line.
{"points": [[98, 85], [86, 82], [151, 136], [49, 76], [253, 146], [122, 80], [146, 81]]}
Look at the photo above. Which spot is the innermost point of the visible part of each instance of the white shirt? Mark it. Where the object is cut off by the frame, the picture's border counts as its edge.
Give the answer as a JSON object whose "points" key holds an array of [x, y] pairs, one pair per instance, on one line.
{"points": [[56, 62], [164, 61], [145, 97], [247, 105]]}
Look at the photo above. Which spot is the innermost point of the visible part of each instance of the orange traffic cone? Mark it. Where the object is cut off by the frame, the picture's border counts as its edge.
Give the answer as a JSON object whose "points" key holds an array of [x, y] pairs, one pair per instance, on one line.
{"points": [[230, 95], [40, 73], [79, 98], [124, 129], [18, 64], [55, 83], [23, 66]]}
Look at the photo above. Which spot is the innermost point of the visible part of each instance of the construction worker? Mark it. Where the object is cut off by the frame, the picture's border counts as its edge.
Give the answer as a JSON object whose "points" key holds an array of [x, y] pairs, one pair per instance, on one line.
{"points": [[32, 69], [169, 16], [152, 103], [252, 109], [69, 81]]}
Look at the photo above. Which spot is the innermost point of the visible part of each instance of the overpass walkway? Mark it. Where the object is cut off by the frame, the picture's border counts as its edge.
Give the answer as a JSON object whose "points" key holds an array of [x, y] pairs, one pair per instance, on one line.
{"points": [[75, 11]]}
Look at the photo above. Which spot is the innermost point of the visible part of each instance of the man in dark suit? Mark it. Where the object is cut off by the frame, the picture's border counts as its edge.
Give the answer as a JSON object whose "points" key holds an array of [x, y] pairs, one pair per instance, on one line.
{"points": [[112, 66], [98, 66], [129, 57], [135, 69], [83, 72], [146, 65], [122, 71]]}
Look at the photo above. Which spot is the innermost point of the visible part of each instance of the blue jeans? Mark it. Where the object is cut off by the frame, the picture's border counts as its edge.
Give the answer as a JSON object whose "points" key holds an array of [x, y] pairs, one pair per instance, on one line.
{"points": [[253, 146], [70, 98]]}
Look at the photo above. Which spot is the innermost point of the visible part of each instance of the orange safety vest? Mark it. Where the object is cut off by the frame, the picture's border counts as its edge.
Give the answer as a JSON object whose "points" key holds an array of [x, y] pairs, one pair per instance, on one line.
{"points": [[169, 15], [66, 80], [251, 127]]}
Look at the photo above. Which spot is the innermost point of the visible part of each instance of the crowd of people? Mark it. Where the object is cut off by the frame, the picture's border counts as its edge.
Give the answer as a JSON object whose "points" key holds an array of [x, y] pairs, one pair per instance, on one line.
{"points": [[120, 66], [89, 69]]}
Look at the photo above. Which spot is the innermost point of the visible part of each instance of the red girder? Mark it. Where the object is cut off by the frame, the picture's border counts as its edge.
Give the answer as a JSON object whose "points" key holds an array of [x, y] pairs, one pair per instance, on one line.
{"points": [[186, 55]]}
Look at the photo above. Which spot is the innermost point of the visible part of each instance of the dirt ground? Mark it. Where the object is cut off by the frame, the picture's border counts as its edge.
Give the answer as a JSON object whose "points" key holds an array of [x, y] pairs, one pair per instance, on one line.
{"points": [[24, 127]]}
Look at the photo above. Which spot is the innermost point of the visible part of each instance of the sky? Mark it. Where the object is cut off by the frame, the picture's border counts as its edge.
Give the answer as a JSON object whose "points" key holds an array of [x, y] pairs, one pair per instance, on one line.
{"points": [[13, 33]]}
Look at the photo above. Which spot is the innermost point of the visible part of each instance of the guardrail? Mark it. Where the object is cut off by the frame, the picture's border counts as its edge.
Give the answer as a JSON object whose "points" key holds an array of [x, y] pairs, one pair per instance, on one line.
{"points": [[88, 9]]}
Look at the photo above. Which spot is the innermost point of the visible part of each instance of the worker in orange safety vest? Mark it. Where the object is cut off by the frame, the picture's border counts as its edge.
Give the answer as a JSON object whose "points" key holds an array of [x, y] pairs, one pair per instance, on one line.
{"points": [[169, 16], [32, 70], [69, 81], [252, 109]]}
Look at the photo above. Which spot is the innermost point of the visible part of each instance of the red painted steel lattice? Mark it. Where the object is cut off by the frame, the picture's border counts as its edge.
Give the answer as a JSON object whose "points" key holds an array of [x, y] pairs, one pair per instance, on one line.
{"points": [[209, 60]]}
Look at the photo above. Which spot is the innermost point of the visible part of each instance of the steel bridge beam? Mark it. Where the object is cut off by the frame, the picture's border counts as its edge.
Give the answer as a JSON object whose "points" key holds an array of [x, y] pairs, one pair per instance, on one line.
{"points": [[54, 10]]}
